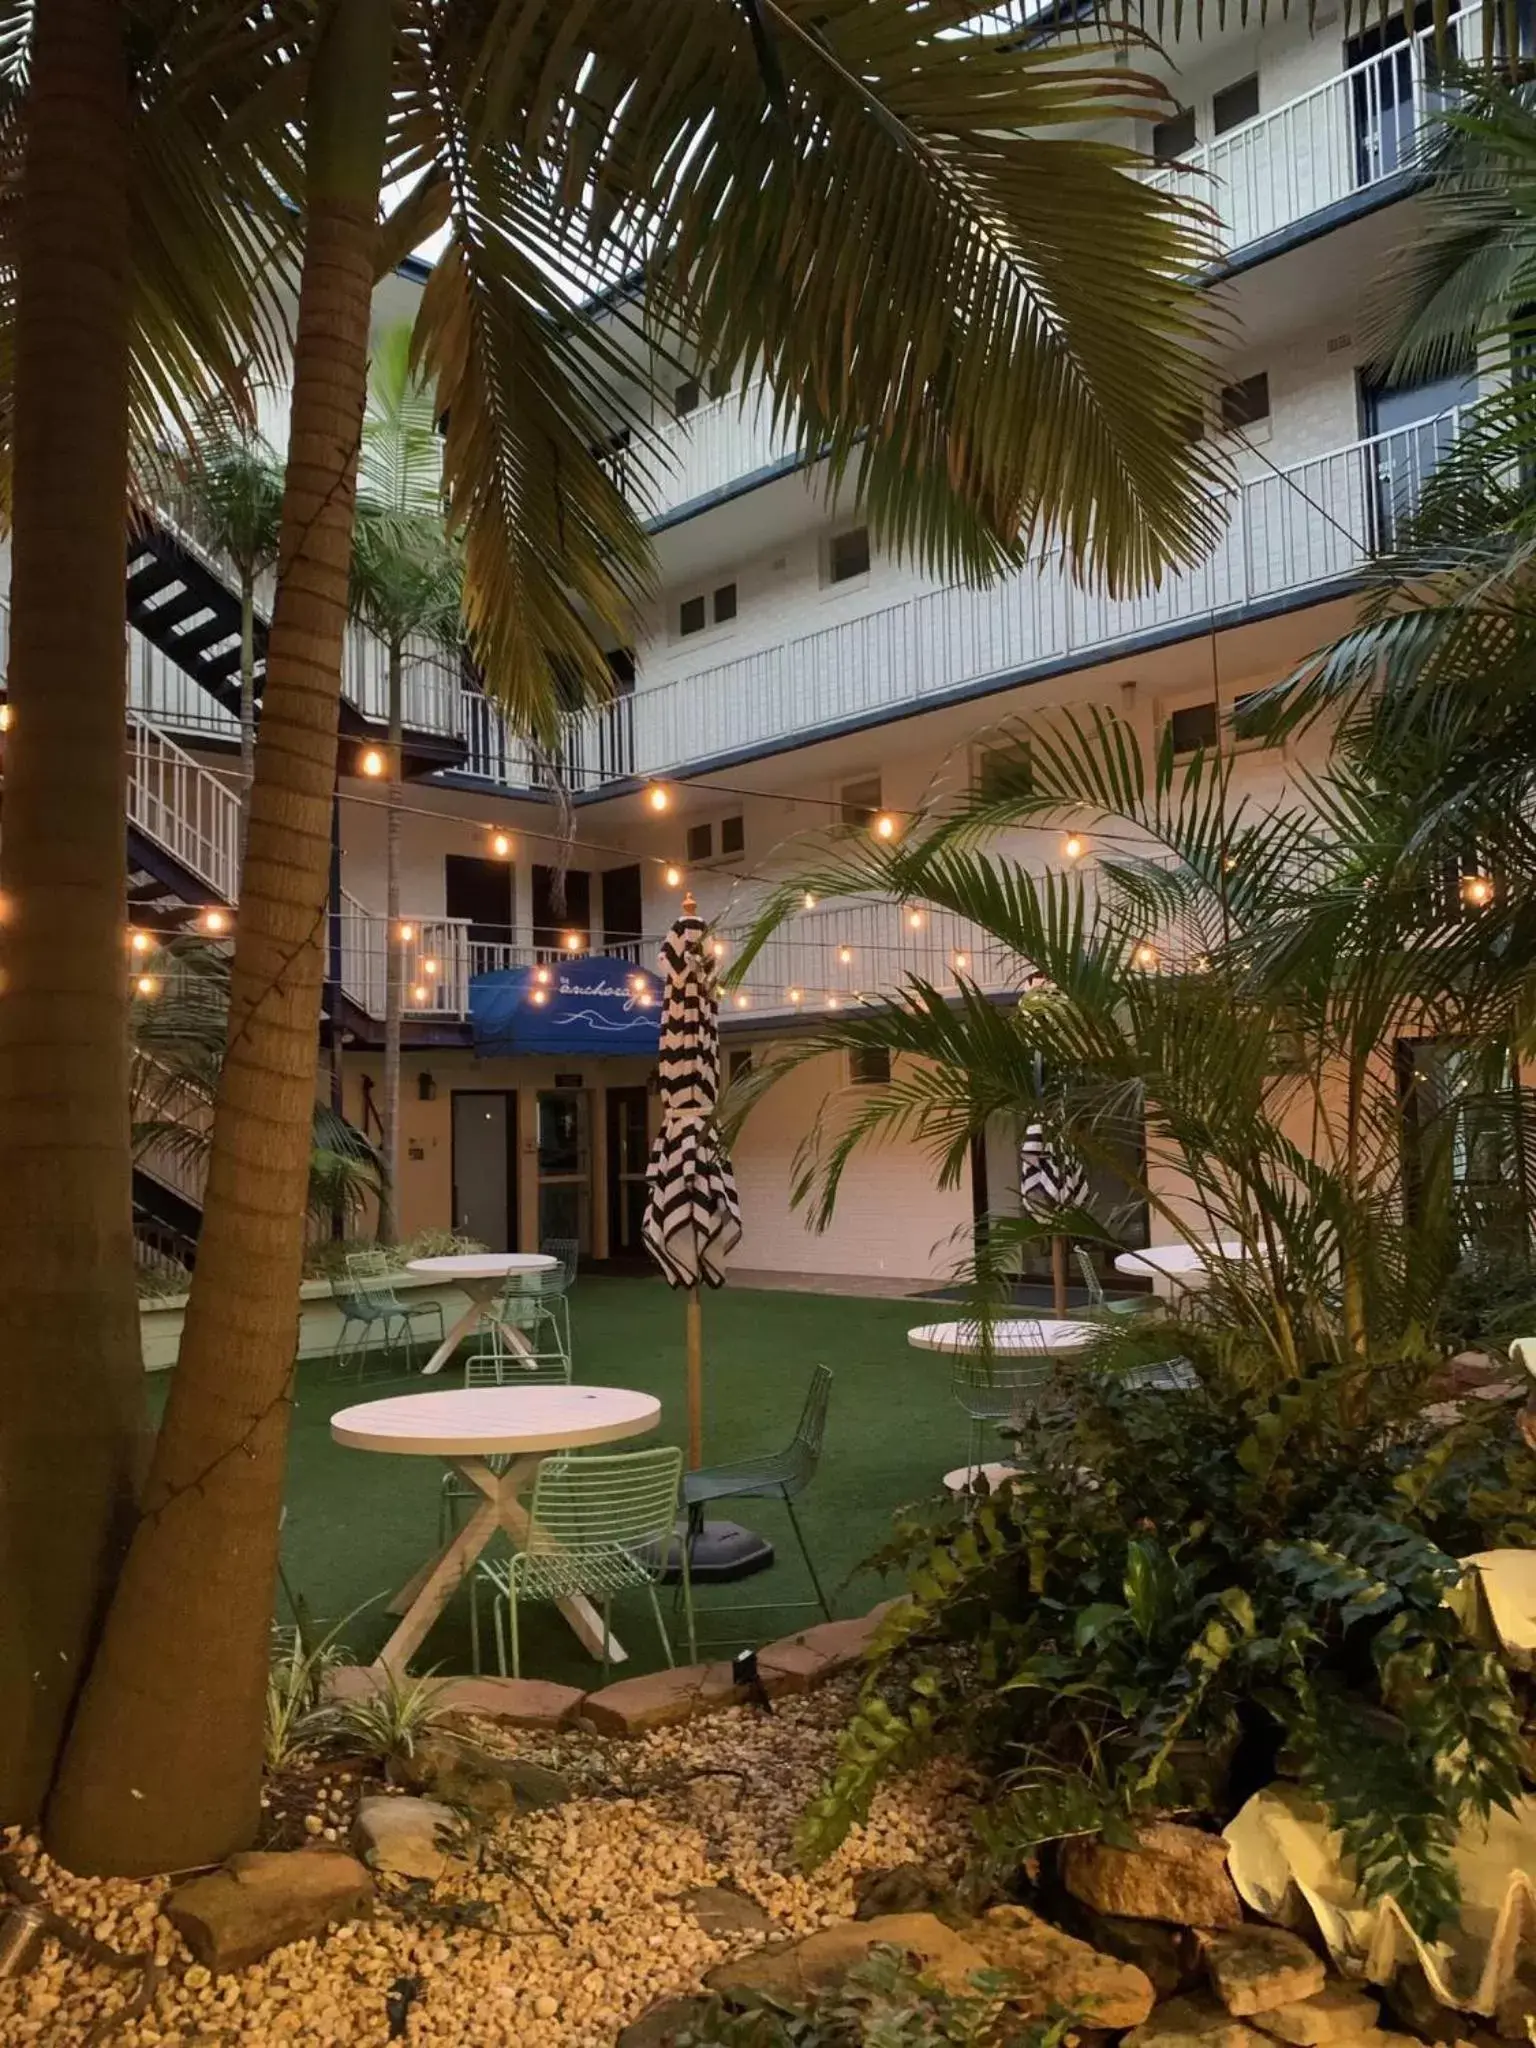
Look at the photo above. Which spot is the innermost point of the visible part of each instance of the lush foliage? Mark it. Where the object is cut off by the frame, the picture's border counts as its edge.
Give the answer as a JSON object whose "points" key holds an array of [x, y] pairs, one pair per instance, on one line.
{"points": [[1177, 1581], [882, 2003]]}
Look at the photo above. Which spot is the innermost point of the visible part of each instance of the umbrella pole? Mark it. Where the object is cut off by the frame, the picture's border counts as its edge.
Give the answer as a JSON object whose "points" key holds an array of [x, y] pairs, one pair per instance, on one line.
{"points": [[695, 1381], [1059, 1275]]}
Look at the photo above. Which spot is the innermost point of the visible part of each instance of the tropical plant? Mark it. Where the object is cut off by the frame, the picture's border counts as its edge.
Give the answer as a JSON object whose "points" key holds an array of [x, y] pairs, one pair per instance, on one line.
{"points": [[390, 1719], [877, 172], [299, 1718], [883, 2002], [408, 586], [227, 489], [1173, 1574]]}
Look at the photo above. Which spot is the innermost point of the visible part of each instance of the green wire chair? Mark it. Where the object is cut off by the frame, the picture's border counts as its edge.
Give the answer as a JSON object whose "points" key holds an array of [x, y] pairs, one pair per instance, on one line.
{"points": [[371, 1280], [494, 1363], [781, 1475], [599, 1525], [1098, 1300], [556, 1286], [530, 1305], [995, 1391]]}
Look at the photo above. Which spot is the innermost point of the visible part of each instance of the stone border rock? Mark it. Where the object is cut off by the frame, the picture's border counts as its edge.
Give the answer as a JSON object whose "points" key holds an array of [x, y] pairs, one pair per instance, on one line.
{"points": [[656, 1699]]}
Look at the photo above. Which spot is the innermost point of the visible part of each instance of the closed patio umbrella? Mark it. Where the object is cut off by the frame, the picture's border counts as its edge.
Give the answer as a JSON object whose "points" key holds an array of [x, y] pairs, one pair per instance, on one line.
{"points": [[692, 1219], [1049, 1181]]}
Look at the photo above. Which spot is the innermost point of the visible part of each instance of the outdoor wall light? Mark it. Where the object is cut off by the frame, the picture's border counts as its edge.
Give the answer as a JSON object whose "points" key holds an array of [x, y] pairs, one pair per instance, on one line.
{"points": [[426, 1087]]}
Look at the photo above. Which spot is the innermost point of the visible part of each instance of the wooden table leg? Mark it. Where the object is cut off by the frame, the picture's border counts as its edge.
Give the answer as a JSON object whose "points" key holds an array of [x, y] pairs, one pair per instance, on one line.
{"points": [[480, 1298], [428, 1591]]}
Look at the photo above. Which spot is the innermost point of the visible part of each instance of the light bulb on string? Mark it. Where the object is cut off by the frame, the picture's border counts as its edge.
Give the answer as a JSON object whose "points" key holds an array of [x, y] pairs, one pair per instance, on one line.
{"points": [[796, 995], [884, 826], [741, 1000], [141, 942], [405, 933], [673, 877], [5, 717], [637, 984], [833, 1003], [645, 999], [372, 762], [809, 900], [420, 993], [501, 844], [961, 962], [718, 948], [147, 985], [539, 995], [215, 921], [1145, 955], [914, 920], [572, 942], [541, 976], [429, 968], [1476, 890], [1073, 847], [845, 955], [658, 797]]}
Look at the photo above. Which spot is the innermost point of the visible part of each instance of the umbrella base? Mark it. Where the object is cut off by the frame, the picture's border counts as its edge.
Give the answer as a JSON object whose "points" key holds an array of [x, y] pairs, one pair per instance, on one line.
{"points": [[719, 1551]]}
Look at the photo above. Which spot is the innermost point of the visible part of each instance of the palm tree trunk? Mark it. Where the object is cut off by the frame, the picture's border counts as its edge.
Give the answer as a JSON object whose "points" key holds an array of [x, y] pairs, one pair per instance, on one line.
{"points": [[247, 698], [394, 973], [163, 1767], [71, 1388]]}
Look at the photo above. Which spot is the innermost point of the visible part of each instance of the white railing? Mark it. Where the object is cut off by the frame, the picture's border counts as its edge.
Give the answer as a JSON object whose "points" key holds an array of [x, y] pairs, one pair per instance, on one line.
{"points": [[598, 747], [192, 813], [1353, 131], [430, 689], [831, 956], [178, 1162], [710, 448], [1287, 531], [165, 695], [435, 962]]}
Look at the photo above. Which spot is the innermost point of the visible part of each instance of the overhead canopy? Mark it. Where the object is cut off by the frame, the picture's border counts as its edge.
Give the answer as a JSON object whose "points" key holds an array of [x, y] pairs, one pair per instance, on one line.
{"points": [[586, 1006]]}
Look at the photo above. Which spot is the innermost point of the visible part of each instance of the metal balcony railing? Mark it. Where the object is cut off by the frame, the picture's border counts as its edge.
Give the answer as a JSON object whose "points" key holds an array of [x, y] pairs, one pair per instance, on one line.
{"points": [[434, 957]]}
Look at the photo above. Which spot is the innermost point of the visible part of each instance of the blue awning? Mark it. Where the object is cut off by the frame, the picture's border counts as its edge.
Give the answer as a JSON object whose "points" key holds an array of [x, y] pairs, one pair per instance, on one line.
{"points": [[571, 1006]]}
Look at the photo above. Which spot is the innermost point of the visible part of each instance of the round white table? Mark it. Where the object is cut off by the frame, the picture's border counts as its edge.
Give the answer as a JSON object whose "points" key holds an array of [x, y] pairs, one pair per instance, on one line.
{"points": [[1019, 1337], [964, 1477], [465, 1426], [1172, 1267], [482, 1276]]}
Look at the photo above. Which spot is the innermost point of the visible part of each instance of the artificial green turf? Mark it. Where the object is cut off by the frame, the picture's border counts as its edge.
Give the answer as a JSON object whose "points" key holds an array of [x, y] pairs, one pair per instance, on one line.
{"points": [[359, 1523]]}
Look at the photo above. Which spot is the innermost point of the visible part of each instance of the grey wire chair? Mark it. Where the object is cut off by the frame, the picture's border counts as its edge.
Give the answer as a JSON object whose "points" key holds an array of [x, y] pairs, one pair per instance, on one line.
{"points": [[371, 1280], [495, 1362], [598, 1525], [1098, 1300], [780, 1475], [999, 1390]]}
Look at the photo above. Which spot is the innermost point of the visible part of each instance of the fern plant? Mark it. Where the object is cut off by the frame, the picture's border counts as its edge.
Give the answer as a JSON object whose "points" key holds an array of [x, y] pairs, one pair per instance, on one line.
{"points": [[1173, 1574]]}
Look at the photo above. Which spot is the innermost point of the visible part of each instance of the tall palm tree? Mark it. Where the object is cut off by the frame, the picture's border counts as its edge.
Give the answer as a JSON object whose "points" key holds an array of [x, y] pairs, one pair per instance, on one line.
{"points": [[408, 587], [890, 211], [107, 132], [231, 496]]}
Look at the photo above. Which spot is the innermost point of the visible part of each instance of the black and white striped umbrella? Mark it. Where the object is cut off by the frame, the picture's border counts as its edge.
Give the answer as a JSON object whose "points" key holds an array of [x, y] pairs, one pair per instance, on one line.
{"points": [[1049, 1180], [692, 1219]]}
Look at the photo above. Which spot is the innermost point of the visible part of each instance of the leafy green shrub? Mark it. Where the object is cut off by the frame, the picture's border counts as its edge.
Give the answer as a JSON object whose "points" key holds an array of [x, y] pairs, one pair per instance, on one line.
{"points": [[1490, 1298], [882, 2003], [1223, 1570]]}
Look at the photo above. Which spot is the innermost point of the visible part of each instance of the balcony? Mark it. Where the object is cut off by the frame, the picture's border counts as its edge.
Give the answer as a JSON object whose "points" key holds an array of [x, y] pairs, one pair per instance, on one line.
{"points": [[1346, 136], [1307, 527]]}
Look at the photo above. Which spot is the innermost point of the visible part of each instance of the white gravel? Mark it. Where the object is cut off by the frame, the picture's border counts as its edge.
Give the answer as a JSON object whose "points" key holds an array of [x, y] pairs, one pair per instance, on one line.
{"points": [[570, 1926]]}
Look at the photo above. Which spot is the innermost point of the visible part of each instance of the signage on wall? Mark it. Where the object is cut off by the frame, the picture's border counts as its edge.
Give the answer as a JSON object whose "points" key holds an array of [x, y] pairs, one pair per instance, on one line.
{"points": [[587, 1006], [567, 1080]]}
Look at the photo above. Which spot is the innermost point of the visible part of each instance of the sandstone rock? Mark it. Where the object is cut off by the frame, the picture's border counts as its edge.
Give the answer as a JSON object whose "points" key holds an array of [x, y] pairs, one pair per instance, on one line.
{"points": [[660, 1698], [1169, 1955], [1056, 1971], [664, 2024], [1257, 1969], [1193, 2022], [1516, 2005], [1411, 2001], [264, 1899], [406, 1836], [909, 1888], [448, 1768], [1336, 2013], [820, 1652], [1174, 1873], [791, 1969], [723, 1912], [519, 1702]]}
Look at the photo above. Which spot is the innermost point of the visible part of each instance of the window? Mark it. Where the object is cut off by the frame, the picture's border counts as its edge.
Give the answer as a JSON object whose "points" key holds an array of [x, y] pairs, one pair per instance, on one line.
{"points": [[860, 801], [1245, 403], [1193, 726], [701, 842], [1003, 772], [869, 1066], [687, 396], [848, 555], [695, 613], [733, 835], [1235, 104], [725, 603], [691, 616], [621, 666], [1175, 138]]}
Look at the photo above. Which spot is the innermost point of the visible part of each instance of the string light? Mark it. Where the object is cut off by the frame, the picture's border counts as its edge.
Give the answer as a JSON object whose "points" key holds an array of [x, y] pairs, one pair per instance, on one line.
{"points": [[406, 933], [796, 995], [501, 844], [1073, 847], [147, 985], [539, 996], [741, 1000], [372, 762], [644, 1000], [5, 717], [832, 1003], [215, 921], [915, 920], [809, 900], [420, 993], [572, 942], [1145, 955], [673, 877], [845, 955], [961, 962], [1476, 890], [659, 797], [718, 948], [541, 976], [884, 827], [429, 968], [141, 942]]}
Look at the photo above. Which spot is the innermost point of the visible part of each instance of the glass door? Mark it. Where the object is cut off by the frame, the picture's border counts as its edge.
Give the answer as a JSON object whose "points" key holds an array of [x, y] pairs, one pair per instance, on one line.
{"points": [[565, 1165]]}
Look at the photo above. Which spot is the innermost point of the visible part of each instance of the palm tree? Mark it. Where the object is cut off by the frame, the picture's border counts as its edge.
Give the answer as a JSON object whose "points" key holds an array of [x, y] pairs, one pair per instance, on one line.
{"points": [[407, 586], [106, 331], [887, 213], [1216, 1011], [231, 496]]}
